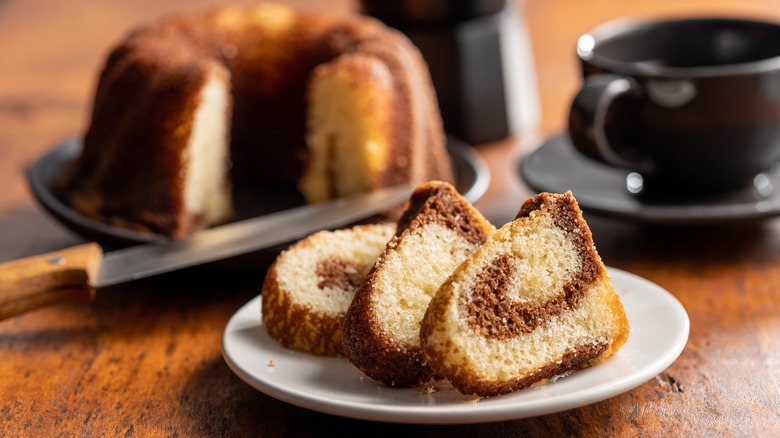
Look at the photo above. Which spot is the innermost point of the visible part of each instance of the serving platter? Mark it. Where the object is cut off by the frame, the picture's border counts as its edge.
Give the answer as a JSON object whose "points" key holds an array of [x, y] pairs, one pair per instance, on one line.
{"points": [[472, 177]]}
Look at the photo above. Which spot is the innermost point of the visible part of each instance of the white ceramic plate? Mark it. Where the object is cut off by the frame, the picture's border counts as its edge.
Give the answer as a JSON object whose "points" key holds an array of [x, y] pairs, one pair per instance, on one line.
{"points": [[659, 331]]}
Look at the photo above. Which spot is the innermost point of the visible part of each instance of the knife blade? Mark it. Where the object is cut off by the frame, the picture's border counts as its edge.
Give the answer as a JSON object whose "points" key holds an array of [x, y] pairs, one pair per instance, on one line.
{"points": [[73, 274]]}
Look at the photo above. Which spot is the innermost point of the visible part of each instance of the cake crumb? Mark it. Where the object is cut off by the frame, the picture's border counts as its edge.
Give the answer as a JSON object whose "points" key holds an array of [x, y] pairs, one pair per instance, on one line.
{"points": [[428, 389], [472, 398], [271, 364]]}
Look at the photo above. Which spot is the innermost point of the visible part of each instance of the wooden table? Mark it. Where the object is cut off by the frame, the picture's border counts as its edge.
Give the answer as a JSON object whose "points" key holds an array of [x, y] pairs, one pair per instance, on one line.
{"points": [[145, 359]]}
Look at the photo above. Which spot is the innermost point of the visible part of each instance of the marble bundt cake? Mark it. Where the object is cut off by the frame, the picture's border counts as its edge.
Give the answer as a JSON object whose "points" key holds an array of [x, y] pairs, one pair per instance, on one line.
{"points": [[533, 302], [309, 287], [268, 95], [436, 232]]}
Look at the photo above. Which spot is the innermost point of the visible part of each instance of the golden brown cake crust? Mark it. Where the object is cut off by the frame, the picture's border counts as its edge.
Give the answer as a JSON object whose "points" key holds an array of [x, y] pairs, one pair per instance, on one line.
{"points": [[579, 357], [365, 343]]}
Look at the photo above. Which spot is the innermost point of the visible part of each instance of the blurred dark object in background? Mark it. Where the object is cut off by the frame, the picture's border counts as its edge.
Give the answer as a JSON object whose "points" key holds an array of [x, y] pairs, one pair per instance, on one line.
{"points": [[480, 59]]}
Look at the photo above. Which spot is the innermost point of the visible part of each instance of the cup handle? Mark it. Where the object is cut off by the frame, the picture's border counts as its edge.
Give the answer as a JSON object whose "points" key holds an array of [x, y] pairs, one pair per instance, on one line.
{"points": [[588, 117]]}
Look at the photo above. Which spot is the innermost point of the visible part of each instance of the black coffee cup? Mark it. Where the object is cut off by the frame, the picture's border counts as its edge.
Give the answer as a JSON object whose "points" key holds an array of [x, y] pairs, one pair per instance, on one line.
{"points": [[690, 106]]}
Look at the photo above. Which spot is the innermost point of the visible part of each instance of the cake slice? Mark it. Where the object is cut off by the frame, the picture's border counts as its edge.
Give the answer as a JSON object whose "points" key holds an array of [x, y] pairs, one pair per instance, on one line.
{"points": [[308, 289], [436, 232], [535, 301], [127, 178]]}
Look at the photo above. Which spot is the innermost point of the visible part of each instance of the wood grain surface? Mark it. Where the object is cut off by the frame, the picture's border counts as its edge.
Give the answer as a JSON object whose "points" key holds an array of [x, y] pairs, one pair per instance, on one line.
{"points": [[144, 359]]}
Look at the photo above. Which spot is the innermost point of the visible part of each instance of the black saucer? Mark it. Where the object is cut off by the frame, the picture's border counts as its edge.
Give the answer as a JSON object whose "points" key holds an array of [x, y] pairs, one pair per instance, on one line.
{"points": [[472, 177], [555, 166]]}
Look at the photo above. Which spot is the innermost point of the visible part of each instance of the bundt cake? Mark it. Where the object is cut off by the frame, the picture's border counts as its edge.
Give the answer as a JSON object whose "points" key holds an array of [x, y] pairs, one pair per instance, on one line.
{"points": [[309, 287], [186, 105], [533, 302], [436, 232]]}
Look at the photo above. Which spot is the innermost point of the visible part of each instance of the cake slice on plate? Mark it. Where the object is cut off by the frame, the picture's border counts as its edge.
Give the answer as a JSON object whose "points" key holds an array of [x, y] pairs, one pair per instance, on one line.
{"points": [[533, 302], [436, 232], [309, 287]]}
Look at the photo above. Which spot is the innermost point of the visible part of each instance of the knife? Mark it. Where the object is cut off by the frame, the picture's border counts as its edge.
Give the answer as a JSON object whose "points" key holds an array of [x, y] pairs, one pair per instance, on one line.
{"points": [[73, 274]]}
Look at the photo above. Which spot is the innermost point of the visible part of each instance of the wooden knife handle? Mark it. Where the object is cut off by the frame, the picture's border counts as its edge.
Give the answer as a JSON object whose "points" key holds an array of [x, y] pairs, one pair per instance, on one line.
{"points": [[42, 280]]}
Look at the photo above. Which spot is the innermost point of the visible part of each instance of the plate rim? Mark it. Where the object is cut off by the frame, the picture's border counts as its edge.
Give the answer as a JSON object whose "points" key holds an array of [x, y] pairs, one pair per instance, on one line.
{"points": [[473, 412], [38, 173]]}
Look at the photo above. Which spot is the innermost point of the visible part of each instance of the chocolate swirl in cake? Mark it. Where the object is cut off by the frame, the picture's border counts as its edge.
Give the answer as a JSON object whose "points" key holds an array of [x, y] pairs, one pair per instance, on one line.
{"points": [[338, 273]]}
